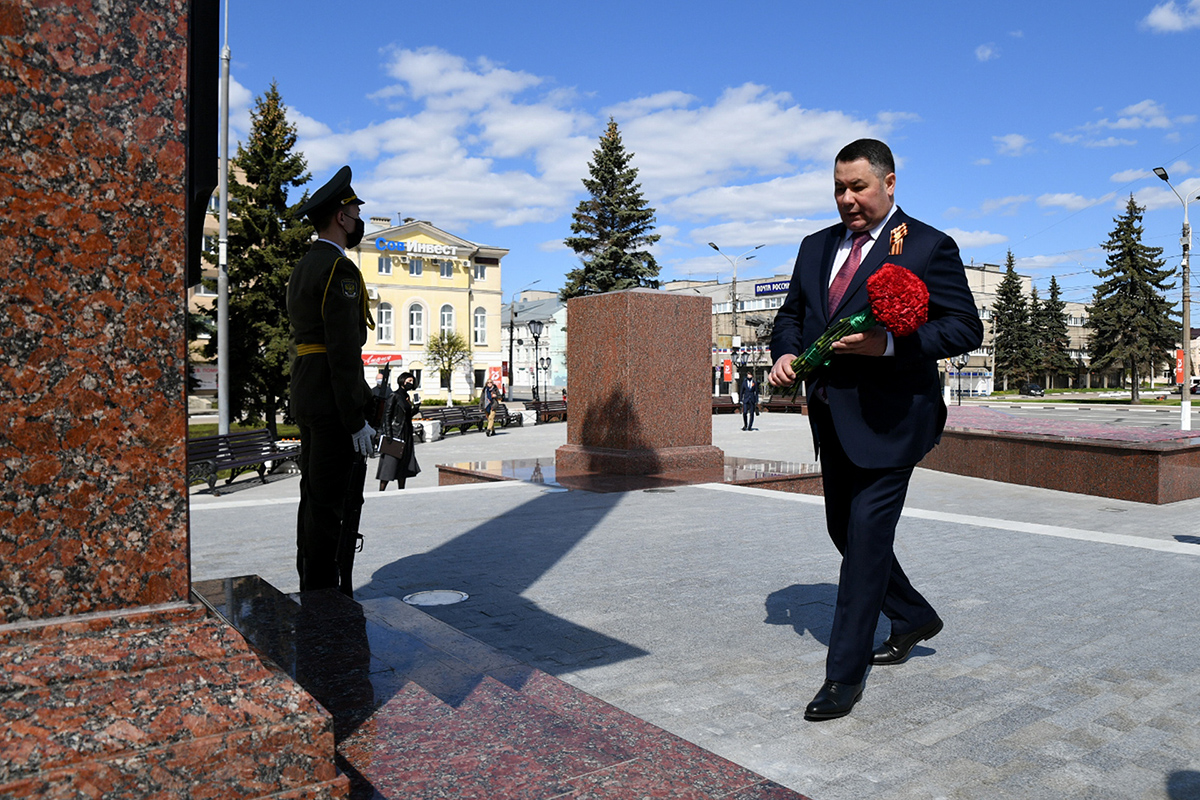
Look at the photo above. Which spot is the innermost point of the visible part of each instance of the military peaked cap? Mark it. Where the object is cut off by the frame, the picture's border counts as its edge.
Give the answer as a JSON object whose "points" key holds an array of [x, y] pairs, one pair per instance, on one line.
{"points": [[336, 192]]}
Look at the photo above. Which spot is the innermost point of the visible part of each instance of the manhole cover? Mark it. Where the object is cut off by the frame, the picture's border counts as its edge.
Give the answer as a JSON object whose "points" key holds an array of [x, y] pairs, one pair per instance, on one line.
{"points": [[436, 597]]}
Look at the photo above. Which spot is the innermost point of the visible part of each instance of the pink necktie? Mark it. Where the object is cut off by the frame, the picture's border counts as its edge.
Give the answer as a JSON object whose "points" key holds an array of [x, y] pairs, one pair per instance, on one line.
{"points": [[846, 273]]}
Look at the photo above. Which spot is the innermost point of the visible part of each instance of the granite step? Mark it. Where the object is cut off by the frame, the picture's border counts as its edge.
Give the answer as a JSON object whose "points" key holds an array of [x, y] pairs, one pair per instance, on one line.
{"points": [[176, 705], [422, 710]]}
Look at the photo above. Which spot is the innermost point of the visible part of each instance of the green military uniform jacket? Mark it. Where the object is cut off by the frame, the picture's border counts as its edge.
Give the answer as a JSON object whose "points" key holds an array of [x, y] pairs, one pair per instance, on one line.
{"points": [[327, 308]]}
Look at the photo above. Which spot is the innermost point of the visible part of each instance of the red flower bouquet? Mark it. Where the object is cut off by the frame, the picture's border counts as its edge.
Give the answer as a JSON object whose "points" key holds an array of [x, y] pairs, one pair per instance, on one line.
{"points": [[899, 302]]}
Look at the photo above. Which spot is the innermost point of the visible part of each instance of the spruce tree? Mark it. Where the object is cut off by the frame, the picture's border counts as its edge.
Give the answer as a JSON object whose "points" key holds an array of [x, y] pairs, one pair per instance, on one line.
{"points": [[613, 227], [1012, 336], [1131, 320], [266, 239], [1054, 343]]}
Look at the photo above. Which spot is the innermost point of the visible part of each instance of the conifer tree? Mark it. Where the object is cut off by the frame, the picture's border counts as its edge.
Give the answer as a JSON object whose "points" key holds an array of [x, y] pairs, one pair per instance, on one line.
{"points": [[1012, 335], [1131, 320], [1054, 344], [266, 239], [613, 227]]}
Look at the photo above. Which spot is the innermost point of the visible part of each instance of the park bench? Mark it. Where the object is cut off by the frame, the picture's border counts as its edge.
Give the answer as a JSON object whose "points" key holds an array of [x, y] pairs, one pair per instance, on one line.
{"points": [[451, 417], [723, 404], [504, 417], [786, 404], [548, 410], [238, 452]]}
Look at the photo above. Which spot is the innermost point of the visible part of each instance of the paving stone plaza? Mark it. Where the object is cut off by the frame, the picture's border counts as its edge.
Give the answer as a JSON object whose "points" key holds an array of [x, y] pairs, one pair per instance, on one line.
{"points": [[1069, 666]]}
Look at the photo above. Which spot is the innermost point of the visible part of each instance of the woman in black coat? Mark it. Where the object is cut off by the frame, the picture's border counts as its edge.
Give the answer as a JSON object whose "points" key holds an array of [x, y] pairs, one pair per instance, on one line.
{"points": [[397, 425]]}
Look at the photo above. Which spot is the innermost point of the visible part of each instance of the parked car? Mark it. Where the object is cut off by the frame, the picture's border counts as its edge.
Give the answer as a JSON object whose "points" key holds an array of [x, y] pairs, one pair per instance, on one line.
{"points": [[1033, 390]]}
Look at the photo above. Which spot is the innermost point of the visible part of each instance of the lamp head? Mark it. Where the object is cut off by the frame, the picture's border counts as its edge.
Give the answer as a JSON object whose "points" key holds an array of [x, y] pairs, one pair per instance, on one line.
{"points": [[714, 247], [1160, 172]]}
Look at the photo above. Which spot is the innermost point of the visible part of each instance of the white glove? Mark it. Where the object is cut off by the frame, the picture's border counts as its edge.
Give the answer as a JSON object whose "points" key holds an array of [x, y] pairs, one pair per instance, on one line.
{"points": [[362, 440]]}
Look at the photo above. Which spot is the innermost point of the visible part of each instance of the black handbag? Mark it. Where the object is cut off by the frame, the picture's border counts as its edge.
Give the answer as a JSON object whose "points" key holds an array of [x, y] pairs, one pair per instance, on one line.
{"points": [[391, 447]]}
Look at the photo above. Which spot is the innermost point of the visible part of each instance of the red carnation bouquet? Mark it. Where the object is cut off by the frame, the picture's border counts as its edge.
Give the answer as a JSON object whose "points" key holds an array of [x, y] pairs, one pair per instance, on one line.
{"points": [[899, 302]]}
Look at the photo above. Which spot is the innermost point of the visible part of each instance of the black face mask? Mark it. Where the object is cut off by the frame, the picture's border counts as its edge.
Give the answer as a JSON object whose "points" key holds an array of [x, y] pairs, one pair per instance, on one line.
{"points": [[352, 239]]}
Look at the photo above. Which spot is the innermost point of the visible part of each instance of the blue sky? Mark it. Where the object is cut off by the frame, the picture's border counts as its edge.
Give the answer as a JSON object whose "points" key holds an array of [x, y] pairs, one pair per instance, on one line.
{"points": [[1022, 125]]}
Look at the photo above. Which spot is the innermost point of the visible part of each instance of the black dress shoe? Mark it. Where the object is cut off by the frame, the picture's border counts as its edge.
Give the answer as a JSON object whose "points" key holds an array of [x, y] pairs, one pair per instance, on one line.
{"points": [[833, 700], [896, 648]]}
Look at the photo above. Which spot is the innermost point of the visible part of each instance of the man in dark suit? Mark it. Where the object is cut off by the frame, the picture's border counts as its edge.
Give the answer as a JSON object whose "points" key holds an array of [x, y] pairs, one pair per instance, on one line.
{"points": [[327, 308], [876, 409]]}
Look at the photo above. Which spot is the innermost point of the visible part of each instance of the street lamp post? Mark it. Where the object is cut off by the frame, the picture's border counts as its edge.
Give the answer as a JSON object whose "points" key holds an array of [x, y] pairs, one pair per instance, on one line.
{"points": [[535, 330], [512, 319], [1185, 241], [960, 363], [545, 365], [733, 284]]}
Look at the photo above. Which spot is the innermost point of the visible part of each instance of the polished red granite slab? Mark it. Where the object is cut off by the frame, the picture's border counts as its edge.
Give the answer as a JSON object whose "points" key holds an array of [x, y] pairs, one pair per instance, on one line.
{"points": [[93, 499], [160, 702], [425, 711], [1137, 464], [639, 408]]}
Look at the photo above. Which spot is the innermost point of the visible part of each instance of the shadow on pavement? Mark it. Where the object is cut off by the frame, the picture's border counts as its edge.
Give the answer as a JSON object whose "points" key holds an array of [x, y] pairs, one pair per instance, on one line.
{"points": [[495, 562]]}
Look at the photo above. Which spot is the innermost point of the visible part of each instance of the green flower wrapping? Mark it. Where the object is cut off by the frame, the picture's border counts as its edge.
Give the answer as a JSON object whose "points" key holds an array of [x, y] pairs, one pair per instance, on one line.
{"points": [[820, 351], [899, 302]]}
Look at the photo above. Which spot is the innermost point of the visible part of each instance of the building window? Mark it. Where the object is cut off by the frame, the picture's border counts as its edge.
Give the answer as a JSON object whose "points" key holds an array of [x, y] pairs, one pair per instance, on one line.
{"points": [[206, 288], [383, 325], [480, 326], [210, 243], [447, 268], [480, 378], [416, 324], [480, 271], [385, 265], [446, 375], [214, 203], [415, 266], [447, 319]]}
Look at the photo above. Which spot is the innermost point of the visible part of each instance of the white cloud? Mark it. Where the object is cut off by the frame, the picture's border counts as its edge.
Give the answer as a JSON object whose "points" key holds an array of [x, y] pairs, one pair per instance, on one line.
{"points": [[1125, 176], [803, 193], [1145, 115], [464, 141], [1180, 168], [738, 236], [1110, 141], [987, 52], [976, 238], [1172, 18], [1070, 201], [1004, 205], [1159, 195], [1012, 144]]}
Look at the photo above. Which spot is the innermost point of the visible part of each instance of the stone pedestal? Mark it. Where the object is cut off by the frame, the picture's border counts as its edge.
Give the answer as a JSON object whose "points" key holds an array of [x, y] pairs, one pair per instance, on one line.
{"points": [[640, 385], [112, 682]]}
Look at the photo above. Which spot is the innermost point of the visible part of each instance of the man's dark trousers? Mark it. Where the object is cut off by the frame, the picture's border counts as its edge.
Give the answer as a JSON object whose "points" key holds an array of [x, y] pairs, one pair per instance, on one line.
{"points": [[862, 507], [329, 499]]}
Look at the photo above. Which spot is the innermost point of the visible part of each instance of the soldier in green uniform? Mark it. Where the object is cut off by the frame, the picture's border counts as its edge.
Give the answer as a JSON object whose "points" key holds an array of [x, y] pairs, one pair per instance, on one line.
{"points": [[327, 309]]}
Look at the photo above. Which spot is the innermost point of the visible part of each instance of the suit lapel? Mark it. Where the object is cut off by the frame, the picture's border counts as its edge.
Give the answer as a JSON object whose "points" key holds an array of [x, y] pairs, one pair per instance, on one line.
{"points": [[880, 249]]}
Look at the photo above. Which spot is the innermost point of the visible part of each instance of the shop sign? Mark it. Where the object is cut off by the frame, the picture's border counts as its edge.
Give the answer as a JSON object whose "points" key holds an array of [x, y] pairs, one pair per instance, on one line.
{"points": [[379, 359], [771, 287], [416, 248]]}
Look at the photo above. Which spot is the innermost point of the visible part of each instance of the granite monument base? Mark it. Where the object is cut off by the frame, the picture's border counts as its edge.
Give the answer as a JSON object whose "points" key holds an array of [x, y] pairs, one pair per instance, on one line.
{"points": [[1141, 465], [155, 702]]}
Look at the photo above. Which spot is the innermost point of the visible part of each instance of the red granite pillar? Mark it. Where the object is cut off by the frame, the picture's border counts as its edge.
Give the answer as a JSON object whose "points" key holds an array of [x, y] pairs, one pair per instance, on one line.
{"points": [[641, 402], [111, 681]]}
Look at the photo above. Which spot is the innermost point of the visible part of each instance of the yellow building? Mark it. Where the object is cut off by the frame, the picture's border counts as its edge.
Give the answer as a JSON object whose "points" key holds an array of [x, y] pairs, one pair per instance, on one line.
{"points": [[422, 281]]}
